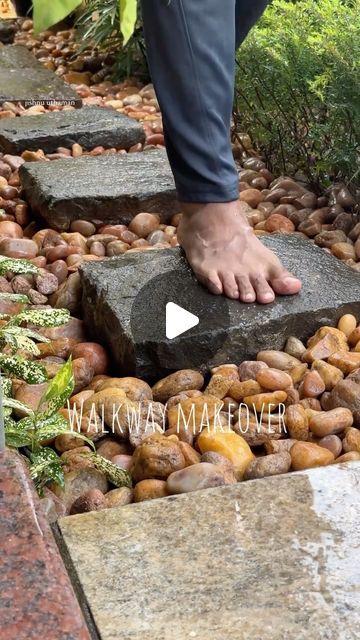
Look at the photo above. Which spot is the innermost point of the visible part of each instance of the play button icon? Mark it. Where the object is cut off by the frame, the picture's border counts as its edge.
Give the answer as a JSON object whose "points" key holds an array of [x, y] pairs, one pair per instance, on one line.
{"points": [[178, 320], [175, 322]]}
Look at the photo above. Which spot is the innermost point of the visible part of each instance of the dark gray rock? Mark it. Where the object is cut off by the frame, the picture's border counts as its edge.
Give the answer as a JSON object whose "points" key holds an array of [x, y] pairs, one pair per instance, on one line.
{"points": [[7, 31], [89, 127], [110, 287], [23, 79], [111, 189]]}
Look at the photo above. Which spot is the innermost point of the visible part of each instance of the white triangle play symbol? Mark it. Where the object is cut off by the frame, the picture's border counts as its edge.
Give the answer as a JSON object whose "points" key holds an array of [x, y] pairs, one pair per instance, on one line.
{"points": [[178, 320]]}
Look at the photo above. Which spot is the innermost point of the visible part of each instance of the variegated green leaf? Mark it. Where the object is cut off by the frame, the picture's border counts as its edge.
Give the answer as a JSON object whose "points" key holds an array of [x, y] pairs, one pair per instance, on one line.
{"points": [[114, 474], [33, 334], [16, 404], [6, 386], [14, 297], [42, 317], [45, 466], [31, 372], [60, 388], [15, 437], [18, 341], [16, 265]]}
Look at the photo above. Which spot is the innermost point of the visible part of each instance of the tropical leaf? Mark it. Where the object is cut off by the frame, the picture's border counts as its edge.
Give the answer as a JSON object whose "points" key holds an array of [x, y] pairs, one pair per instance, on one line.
{"points": [[14, 337], [49, 12], [114, 474], [45, 466], [6, 386], [14, 297], [15, 437], [41, 317], [16, 265], [128, 16], [59, 389], [16, 404], [31, 372]]}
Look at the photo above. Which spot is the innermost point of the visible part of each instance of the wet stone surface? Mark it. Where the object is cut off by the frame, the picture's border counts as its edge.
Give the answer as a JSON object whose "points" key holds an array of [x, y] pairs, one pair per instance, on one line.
{"points": [[288, 571], [23, 78], [112, 189], [89, 127], [115, 287]]}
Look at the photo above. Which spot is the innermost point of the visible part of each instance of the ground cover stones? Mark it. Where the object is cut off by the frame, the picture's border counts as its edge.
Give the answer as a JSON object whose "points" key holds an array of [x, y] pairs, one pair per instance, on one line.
{"points": [[224, 549], [108, 189], [24, 79], [113, 288], [89, 127]]}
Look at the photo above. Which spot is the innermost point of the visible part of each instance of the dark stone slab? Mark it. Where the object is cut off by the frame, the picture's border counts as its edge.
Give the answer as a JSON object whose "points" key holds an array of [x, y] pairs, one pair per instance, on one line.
{"points": [[36, 596], [89, 127], [112, 189], [23, 79], [110, 288]]}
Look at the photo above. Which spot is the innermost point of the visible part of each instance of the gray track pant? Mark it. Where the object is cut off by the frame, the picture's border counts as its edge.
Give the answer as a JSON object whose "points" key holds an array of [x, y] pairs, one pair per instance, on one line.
{"points": [[191, 45]]}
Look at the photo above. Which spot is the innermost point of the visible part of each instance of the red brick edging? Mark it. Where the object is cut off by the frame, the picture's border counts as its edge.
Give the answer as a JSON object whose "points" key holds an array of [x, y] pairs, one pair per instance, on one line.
{"points": [[36, 596]]}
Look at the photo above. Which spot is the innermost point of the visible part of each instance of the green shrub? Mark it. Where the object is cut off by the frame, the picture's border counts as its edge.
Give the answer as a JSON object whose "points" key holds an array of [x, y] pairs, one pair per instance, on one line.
{"points": [[298, 89]]}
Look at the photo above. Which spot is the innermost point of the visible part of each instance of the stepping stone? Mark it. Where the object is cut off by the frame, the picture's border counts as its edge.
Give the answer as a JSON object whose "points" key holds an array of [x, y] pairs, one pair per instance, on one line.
{"points": [[124, 301], [107, 189], [89, 127], [265, 559], [23, 79]]}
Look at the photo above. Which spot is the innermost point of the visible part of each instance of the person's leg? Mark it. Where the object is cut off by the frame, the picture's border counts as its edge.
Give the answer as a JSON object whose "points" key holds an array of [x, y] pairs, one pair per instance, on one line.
{"points": [[247, 13], [190, 49]]}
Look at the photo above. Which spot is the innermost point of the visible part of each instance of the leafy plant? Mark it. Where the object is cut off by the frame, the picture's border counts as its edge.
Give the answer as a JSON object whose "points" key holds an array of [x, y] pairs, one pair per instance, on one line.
{"points": [[42, 425], [97, 28], [18, 338], [48, 13], [297, 89]]}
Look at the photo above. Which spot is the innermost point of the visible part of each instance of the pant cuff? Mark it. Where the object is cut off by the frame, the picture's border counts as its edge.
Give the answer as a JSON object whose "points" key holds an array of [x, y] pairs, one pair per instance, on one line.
{"points": [[206, 195]]}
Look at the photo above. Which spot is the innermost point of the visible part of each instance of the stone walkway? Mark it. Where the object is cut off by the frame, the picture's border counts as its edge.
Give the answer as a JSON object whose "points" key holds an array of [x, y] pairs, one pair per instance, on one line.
{"points": [[275, 559], [265, 560]]}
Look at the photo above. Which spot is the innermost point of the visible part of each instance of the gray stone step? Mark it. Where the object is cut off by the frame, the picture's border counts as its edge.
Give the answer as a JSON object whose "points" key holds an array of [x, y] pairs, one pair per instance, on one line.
{"points": [[271, 559], [23, 79], [112, 189], [89, 127], [124, 302]]}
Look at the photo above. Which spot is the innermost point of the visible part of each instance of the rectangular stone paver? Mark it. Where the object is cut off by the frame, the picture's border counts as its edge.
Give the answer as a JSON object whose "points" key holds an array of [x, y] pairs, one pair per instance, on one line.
{"points": [[114, 288], [89, 127], [111, 189], [24, 79], [272, 559]]}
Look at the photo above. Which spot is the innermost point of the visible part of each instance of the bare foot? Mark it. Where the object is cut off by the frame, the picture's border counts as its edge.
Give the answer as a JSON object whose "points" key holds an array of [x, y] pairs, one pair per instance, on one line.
{"points": [[227, 257]]}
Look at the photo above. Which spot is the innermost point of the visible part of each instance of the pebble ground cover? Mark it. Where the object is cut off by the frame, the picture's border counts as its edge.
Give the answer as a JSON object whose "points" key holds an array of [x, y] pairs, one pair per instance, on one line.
{"points": [[315, 387]]}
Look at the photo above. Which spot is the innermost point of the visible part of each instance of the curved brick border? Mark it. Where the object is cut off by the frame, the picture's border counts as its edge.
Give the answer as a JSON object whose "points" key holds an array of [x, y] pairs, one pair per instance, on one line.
{"points": [[36, 596]]}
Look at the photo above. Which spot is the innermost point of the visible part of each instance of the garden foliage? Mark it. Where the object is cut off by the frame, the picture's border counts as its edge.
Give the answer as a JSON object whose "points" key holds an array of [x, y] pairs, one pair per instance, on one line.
{"points": [[298, 89]]}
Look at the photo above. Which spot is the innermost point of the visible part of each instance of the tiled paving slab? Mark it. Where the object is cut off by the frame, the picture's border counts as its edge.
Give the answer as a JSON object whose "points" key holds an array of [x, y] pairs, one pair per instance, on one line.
{"points": [[228, 331], [89, 127], [112, 189], [36, 597], [272, 559], [24, 79]]}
